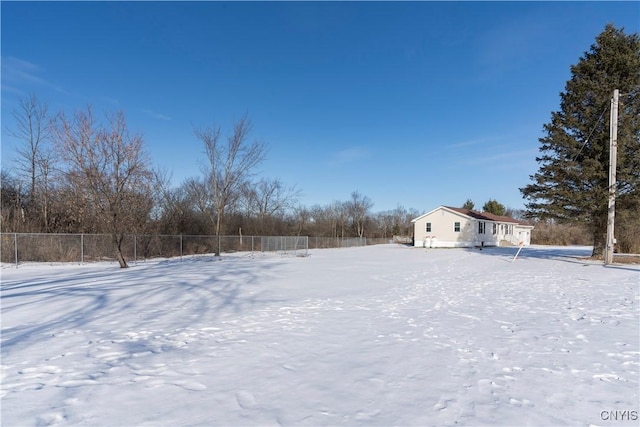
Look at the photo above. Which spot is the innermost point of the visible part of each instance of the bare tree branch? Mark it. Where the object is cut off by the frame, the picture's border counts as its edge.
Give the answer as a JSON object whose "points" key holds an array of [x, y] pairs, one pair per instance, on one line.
{"points": [[229, 166], [35, 160], [108, 166]]}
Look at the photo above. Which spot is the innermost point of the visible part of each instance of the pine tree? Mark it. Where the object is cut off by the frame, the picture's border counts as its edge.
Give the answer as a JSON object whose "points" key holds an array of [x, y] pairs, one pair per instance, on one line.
{"points": [[572, 182], [468, 205], [494, 207]]}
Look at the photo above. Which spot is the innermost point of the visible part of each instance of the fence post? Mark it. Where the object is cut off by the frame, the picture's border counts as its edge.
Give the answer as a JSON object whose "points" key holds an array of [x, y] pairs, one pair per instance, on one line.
{"points": [[135, 248], [15, 247], [181, 247], [81, 248]]}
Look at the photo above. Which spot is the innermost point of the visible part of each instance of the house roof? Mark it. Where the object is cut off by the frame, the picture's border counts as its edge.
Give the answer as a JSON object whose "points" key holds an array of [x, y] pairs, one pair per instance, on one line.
{"points": [[484, 216]]}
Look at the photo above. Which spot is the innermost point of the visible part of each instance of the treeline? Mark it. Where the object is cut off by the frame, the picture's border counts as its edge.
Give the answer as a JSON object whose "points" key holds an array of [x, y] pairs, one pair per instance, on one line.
{"points": [[177, 211], [89, 174], [266, 207]]}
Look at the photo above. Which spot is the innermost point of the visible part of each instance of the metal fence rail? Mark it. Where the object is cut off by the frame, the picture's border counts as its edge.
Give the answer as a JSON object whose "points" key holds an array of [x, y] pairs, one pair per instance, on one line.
{"points": [[16, 248]]}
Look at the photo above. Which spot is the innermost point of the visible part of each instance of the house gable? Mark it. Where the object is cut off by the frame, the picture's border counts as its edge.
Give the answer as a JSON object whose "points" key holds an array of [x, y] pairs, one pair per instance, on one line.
{"points": [[454, 211]]}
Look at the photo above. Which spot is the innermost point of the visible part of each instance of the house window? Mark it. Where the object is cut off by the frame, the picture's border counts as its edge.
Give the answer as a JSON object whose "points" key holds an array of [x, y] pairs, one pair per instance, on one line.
{"points": [[481, 227], [456, 227], [495, 228], [428, 227]]}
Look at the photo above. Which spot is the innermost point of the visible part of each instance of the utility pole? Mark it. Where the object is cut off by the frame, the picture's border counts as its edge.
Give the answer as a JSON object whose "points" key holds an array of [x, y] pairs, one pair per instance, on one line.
{"points": [[613, 155]]}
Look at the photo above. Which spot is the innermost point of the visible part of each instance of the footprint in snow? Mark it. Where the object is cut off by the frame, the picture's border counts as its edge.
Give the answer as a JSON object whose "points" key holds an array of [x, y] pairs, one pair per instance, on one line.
{"points": [[190, 385], [245, 399], [35, 372], [440, 406], [50, 419]]}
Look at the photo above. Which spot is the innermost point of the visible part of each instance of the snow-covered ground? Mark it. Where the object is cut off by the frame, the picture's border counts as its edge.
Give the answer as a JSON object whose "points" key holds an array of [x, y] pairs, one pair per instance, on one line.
{"points": [[381, 335]]}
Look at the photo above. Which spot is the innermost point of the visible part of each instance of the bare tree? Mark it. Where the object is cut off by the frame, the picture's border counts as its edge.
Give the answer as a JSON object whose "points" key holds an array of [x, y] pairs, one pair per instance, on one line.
{"points": [[35, 160], [358, 209], [179, 210], [385, 222], [228, 166], [109, 168], [12, 202], [319, 221], [301, 217], [267, 199], [403, 218], [170, 209], [199, 195], [338, 215]]}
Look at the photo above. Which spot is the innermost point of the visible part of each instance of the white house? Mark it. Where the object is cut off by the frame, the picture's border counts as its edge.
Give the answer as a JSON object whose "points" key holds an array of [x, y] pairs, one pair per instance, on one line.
{"points": [[447, 227]]}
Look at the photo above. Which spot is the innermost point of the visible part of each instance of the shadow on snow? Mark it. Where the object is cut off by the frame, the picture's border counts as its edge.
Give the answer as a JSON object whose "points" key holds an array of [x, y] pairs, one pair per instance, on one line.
{"points": [[180, 292], [572, 254]]}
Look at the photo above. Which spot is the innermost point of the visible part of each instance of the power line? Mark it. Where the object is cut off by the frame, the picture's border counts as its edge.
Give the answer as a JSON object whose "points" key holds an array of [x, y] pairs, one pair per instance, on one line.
{"points": [[590, 133]]}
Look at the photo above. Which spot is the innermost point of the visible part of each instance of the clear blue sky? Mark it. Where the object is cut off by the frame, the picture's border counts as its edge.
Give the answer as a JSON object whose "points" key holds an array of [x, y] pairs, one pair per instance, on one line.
{"points": [[410, 103]]}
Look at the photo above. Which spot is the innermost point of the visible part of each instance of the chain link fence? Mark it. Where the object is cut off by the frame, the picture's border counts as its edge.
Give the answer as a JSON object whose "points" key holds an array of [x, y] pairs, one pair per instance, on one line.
{"points": [[16, 248], [344, 242]]}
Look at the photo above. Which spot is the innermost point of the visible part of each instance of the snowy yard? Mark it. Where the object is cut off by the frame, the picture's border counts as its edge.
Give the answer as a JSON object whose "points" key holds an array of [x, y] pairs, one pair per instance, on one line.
{"points": [[374, 336]]}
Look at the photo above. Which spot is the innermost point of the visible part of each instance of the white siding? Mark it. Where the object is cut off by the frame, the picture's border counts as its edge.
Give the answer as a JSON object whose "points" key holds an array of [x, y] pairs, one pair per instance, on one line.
{"points": [[442, 233]]}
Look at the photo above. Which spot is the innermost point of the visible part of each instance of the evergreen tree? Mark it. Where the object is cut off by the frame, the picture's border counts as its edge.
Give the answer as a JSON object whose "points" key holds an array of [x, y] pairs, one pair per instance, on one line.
{"points": [[468, 205], [492, 206], [572, 182]]}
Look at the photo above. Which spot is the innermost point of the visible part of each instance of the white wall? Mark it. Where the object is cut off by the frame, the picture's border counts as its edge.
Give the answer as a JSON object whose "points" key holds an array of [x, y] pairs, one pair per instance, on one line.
{"points": [[442, 234]]}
